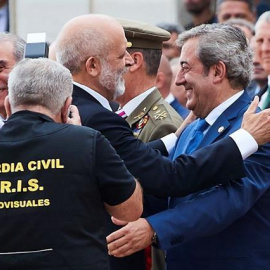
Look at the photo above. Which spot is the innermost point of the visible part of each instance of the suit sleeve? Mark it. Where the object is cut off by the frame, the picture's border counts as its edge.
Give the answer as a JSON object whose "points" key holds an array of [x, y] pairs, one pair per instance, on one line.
{"points": [[213, 210], [162, 177], [158, 145]]}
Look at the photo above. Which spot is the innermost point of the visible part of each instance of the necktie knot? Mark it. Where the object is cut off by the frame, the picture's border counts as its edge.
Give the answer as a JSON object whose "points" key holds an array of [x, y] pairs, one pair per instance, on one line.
{"points": [[202, 125]]}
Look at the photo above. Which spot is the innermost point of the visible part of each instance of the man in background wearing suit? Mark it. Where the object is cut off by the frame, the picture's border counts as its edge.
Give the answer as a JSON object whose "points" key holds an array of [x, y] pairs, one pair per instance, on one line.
{"points": [[225, 227], [262, 47]]}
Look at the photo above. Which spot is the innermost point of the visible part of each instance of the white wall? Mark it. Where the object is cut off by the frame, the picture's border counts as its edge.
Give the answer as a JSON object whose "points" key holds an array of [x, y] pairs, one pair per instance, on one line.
{"points": [[30, 16], [151, 11], [48, 16]]}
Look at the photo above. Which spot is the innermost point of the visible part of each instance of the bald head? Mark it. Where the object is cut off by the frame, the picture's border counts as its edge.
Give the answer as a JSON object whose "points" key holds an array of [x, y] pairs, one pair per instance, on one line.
{"points": [[85, 36], [93, 48]]}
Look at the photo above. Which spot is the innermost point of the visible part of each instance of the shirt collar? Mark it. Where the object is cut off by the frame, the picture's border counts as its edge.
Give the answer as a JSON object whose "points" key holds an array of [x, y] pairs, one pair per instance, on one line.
{"points": [[170, 98], [135, 102], [102, 100], [215, 113]]}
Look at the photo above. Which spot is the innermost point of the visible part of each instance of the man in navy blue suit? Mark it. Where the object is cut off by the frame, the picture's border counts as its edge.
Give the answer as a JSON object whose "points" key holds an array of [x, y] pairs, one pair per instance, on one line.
{"points": [[227, 226]]}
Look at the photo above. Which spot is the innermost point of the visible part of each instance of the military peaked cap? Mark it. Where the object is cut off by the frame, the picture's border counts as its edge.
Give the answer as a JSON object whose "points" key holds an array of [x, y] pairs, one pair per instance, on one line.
{"points": [[143, 35]]}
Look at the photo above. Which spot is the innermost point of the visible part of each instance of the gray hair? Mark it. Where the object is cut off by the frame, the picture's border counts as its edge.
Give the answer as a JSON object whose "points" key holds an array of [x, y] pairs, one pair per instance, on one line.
{"points": [[18, 45], [250, 3], [151, 58], [242, 22], [265, 17], [225, 43], [73, 50], [41, 82]]}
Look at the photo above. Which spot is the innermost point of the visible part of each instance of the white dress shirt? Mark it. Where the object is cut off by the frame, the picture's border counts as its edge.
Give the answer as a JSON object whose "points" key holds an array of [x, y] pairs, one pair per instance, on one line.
{"points": [[135, 102]]}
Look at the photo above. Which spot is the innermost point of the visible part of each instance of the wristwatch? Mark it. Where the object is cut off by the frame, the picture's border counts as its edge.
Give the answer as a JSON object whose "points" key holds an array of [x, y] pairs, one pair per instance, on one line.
{"points": [[154, 240]]}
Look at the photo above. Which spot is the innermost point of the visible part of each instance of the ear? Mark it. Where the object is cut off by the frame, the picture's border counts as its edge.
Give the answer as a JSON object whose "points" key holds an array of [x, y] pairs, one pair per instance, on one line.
{"points": [[219, 72], [7, 106], [65, 110], [160, 79], [138, 60], [93, 66]]}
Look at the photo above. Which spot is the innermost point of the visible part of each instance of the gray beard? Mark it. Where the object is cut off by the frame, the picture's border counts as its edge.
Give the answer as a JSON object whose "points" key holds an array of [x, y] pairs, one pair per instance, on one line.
{"points": [[113, 82]]}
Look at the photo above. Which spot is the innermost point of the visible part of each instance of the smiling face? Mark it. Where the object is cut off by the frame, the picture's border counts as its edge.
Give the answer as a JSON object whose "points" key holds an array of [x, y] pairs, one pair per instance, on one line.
{"points": [[262, 38], [201, 97]]}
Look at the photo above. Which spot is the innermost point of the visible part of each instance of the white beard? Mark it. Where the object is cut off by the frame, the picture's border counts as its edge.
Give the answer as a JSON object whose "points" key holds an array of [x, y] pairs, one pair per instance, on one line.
{"points": [[112, 80]]}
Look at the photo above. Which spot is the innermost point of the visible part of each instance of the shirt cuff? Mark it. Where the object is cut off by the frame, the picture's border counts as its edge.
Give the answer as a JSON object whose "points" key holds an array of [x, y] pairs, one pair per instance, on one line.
{"points": [[245, 142], [169, 141]]}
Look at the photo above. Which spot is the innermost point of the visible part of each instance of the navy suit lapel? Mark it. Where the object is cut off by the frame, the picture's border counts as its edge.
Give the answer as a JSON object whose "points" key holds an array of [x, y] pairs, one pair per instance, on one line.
{"points": [[222, 125], [216, 130]]}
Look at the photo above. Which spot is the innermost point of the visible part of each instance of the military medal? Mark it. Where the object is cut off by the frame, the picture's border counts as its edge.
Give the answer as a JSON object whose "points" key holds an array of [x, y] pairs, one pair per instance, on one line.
{"points": [[139, 126]]}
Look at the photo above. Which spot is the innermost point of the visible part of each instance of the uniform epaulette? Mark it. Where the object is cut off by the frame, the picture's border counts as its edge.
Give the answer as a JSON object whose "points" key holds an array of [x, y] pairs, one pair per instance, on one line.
{"points": [[158, 112]]}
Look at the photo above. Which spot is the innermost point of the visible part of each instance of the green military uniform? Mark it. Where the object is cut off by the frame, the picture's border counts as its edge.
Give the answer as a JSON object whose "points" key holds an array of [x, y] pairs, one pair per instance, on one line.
{"points": [[153, 118]]}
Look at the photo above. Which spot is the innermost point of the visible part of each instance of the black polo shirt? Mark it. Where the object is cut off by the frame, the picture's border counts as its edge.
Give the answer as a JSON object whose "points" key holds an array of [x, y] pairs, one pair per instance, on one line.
{"points": [[54, 179]]}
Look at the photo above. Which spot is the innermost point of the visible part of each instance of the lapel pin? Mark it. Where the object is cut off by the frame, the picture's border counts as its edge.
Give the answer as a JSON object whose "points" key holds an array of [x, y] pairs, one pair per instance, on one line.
{"points": [[221, 129]]}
